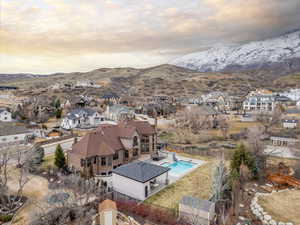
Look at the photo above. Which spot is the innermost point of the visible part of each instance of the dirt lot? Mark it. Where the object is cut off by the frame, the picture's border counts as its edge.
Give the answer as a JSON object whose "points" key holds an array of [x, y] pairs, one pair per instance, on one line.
{"points": [[197, 184], [283, 206], [36, 190]]}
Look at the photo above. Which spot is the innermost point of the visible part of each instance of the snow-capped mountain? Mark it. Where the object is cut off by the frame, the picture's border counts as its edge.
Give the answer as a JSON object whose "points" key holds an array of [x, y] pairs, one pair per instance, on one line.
{"points": [[280, 55]]}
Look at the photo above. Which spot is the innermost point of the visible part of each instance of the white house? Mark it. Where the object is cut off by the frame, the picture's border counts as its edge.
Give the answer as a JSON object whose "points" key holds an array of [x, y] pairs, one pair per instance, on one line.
{"points": [[119, 112], [10, 133], [196, 210], [264, 103], [293, 94], [86, 83], [82, 118], [290, 123], [139, 180], [5, 115]]}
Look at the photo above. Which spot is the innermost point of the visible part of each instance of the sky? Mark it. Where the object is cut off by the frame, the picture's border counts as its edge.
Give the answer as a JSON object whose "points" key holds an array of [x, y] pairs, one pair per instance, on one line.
{"points": [[49, 36]]}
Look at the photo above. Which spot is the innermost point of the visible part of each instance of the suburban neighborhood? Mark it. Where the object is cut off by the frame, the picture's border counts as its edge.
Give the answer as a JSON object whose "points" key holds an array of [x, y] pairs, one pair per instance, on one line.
{"points": [[172, 154], [174, 112]]}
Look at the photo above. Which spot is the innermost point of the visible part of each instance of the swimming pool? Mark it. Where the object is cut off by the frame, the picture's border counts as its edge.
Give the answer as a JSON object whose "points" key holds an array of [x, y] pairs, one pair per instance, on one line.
{"points": [[179, 167]]}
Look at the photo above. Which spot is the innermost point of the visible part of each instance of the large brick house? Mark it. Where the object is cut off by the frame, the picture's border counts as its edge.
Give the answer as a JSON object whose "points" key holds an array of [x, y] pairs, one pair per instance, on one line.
{"points": [[110, 146]]}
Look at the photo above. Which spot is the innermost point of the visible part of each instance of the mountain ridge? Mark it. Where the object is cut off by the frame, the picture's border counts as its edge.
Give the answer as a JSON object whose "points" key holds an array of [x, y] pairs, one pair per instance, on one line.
{"points": [[280, 55]]}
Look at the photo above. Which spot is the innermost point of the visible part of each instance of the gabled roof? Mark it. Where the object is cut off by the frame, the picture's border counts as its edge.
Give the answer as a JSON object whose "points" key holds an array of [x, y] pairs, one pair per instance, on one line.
{"points": [[143, 127], [78, 113], [104, 141], [107, 205], [3, 110], [140, 171], [197, 203], [107, 138], [116, 109]]}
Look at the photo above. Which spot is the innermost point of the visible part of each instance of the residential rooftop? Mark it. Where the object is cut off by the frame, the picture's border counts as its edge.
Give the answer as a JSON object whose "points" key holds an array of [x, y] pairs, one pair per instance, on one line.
{"points": [[197, 203], [140, 171]]}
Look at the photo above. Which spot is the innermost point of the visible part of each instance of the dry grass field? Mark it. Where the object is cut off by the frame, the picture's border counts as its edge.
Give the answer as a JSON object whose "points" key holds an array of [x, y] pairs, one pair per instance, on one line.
{"points": [[36, 190], [197, 184], [283, 206], [48, 161]]}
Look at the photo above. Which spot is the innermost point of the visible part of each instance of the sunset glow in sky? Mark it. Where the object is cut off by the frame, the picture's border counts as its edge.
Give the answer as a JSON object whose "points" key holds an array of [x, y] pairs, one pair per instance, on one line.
{"points": [[47, 36]]}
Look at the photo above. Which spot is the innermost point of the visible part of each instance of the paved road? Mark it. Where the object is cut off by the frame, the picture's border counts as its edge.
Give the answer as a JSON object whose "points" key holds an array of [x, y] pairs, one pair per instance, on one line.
{"points": [[48, 148]]}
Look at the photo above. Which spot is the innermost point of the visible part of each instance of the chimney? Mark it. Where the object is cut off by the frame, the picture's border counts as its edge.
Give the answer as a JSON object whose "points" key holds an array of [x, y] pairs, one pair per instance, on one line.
{"points": [[107, 213]]}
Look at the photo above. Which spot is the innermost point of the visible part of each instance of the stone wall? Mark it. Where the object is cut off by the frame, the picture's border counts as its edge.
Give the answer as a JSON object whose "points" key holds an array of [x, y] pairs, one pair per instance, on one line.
{"points": [[259, 212]]}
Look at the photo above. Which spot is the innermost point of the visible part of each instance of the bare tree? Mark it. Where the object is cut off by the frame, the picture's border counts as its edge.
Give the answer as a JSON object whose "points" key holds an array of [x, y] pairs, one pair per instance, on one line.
{"points": [[9, 200], [235, 196], [80, 193], [224, 215], [220, 181], [224, 127], [268, 120], [257, 147], [192, 119]]}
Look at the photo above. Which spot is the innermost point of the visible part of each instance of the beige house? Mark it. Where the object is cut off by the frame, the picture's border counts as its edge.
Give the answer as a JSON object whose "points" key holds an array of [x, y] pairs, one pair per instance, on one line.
{"points": [[110, 146]]}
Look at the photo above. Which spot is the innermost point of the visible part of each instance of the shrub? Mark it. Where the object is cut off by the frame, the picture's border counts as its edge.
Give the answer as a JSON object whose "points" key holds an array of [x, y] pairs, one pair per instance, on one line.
{"points": [[5, 218]]}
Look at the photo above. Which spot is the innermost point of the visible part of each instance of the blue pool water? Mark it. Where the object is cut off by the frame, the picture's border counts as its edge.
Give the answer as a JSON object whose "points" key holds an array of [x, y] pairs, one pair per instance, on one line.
{"points": [[179, 167]]}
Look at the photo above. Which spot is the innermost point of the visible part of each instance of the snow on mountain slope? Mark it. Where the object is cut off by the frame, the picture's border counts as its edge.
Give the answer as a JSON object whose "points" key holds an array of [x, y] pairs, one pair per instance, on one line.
{"points": [[279, 54]]}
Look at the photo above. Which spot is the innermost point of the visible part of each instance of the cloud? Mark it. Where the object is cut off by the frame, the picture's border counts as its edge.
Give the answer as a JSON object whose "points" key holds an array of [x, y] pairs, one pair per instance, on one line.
{"points": [[51, 31]]}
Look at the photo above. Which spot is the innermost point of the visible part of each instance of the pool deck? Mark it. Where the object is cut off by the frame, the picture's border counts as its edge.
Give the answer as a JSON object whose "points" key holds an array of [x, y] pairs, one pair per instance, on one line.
{"points": [[174, 177]]}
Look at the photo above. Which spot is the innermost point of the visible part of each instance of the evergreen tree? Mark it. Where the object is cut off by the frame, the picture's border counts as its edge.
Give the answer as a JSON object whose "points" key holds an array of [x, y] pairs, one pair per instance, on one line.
{"points": [[57, 103], [58, 113], [60, 159], [242, 156]]}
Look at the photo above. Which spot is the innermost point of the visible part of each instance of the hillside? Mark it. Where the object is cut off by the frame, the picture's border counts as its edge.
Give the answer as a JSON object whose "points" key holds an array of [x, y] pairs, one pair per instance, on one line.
{"points": [[292, 81], [163, 79], [279, 56]]}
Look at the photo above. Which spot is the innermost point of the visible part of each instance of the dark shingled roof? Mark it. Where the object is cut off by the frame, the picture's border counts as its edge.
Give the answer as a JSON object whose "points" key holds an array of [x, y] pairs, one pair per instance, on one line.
{"points": [[196, 203], [140, 171], [110, 95], [293, 111], [290, 121], [2, 110]]}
